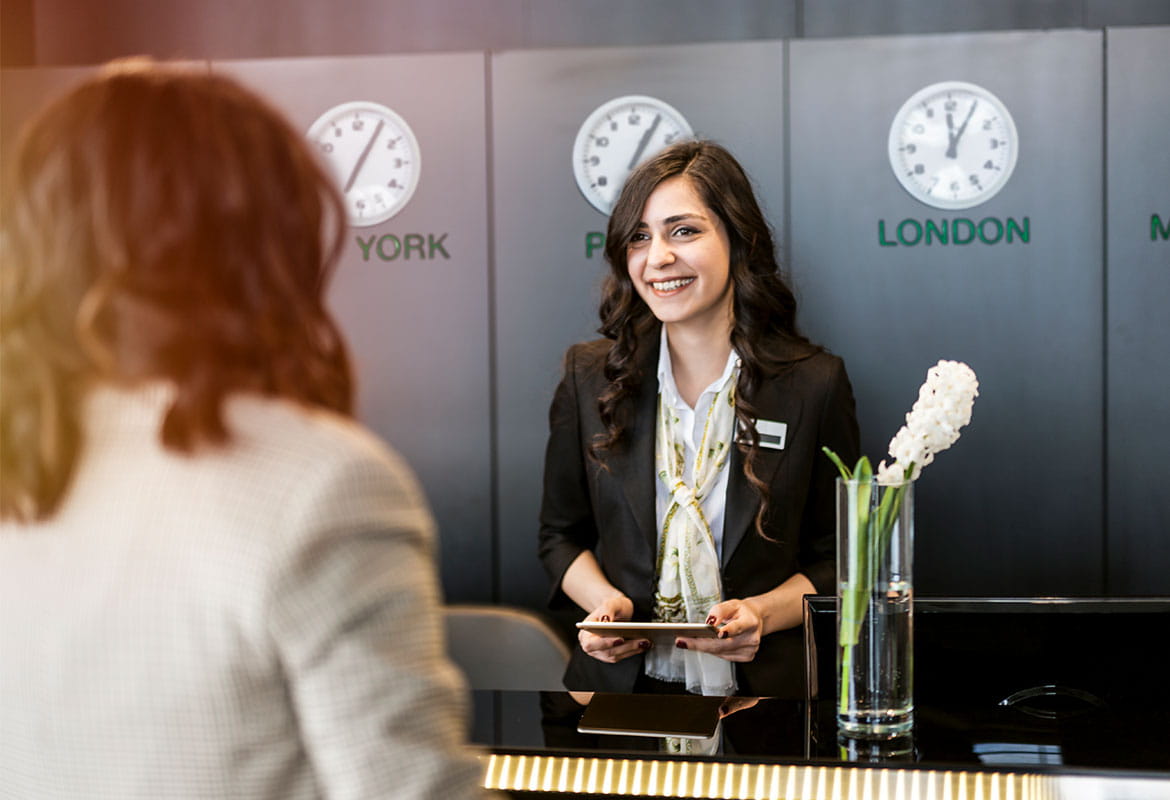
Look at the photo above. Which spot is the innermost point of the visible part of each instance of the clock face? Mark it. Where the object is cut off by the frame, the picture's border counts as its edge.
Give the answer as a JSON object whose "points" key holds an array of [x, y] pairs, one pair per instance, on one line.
{"points": [[953, 145], [617, 137], [374, 156]]}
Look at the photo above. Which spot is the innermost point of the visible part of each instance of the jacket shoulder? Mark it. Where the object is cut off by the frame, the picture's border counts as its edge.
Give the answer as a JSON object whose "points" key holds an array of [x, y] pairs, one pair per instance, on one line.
{"points": [[592, 351], [822, 372], [801, 358], [823, 363], [587, 359]]}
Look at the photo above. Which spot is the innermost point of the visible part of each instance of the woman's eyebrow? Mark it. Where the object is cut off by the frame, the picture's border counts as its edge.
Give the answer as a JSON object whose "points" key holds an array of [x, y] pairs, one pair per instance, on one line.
{"points": [[675, 218]]}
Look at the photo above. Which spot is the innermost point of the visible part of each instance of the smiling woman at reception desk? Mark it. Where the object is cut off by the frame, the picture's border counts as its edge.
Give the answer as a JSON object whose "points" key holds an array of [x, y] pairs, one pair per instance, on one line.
{"points": [[684, 479]]}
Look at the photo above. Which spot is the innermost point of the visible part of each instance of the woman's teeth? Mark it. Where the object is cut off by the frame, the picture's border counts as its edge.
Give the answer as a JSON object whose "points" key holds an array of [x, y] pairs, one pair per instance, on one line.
{"points": [[670, 286]]}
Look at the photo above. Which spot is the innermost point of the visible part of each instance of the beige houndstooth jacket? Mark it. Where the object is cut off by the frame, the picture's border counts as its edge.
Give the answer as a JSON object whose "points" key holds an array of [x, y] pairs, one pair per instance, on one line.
{"points": [[256, 621]]}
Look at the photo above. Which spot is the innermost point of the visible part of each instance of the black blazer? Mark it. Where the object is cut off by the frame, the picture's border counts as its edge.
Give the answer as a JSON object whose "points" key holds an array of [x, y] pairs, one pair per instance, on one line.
{"points": [[611, 511]]}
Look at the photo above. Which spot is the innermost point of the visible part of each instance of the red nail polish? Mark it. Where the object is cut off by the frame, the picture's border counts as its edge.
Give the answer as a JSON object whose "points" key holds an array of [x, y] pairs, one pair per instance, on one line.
{"points": [[681, 645], [605, 617], [644, 644], [711, 620], [722, 634]]}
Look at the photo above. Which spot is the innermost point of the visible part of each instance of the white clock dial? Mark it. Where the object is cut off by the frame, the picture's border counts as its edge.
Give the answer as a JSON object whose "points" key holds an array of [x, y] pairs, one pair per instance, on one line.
{"points": [[374, 156], [616, 137], [953, 145]]}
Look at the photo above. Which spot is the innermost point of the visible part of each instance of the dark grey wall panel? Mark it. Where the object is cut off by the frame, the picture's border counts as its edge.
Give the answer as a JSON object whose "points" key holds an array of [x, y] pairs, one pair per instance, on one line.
{"points": [[1138, 129], [1016, 507], [417, 321], [579, 23], [1103, 13], [59, 32], [865, 17], [546, 286], [68, 32]]}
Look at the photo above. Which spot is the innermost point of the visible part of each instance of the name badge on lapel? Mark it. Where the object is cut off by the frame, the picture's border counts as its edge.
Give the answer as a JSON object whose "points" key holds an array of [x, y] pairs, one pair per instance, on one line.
{"points": [[772, 434]]}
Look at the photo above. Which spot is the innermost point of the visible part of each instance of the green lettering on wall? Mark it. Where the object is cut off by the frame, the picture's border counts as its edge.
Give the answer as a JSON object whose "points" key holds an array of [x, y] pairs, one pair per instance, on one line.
{"points": [[1158, 229], [1014, 230], [933, 230], [966, 223], [434, 244], [962, 231], [413, 242], [594, 240], [365, 246], [389, 247], [997, 229], [393, 253], [914, 226]]}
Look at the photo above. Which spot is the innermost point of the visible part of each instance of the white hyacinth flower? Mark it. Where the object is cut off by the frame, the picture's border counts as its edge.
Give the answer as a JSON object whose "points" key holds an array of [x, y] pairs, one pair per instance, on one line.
{"points": [[943, 407]]}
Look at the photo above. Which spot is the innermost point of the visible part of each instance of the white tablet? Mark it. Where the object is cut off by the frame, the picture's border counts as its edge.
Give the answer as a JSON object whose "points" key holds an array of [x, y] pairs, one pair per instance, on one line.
{"points": [[648, 630]]}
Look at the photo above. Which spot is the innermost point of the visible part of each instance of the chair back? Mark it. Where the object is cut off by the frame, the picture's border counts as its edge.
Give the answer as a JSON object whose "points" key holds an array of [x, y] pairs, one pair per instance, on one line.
{"points": [[504, 648]]}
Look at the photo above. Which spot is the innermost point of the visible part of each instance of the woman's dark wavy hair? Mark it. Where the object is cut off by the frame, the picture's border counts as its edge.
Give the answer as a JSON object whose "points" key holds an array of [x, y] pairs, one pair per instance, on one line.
{"points": [[159, 223], [763, 305]]}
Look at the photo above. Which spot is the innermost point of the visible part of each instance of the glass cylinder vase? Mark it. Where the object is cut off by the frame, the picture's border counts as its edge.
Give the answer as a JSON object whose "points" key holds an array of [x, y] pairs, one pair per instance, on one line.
{"points": [[875, 609]]}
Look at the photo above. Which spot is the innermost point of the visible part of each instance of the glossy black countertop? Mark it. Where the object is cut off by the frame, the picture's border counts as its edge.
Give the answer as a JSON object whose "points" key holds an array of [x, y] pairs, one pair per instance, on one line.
{"points": [[1014, 688], [794, 731]]}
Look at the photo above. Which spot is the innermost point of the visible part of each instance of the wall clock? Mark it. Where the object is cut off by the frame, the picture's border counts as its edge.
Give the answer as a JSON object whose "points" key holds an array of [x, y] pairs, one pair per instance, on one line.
{"points": [[618, 136], [953, 145], [373, 154]]}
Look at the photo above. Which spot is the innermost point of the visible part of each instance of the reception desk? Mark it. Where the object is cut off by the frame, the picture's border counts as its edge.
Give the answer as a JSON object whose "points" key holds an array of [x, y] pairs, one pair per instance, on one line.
{"points": [[1014, 698]]}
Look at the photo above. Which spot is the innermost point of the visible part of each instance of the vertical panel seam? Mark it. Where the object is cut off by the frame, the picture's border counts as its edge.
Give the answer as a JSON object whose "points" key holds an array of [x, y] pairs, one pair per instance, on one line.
{"points": [[1105, 532], [492, 356], [786, 156]]}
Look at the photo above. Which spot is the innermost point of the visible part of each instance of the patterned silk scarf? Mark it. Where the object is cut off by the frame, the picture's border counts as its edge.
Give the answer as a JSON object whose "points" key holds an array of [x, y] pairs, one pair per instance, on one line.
{"points": [[689, 580]]}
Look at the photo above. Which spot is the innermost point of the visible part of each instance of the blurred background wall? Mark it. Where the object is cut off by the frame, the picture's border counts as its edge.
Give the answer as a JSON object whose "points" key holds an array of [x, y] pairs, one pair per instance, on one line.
{"points": [[460, 306], [71, 32]]}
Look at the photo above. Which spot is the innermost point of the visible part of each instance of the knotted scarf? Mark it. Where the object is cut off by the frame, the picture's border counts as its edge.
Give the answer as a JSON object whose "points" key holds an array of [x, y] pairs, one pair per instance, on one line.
{"points": [[689, 580]]}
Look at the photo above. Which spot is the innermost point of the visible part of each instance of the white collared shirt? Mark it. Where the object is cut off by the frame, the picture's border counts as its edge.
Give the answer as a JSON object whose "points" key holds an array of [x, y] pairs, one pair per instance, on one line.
{"points": [[714, 505]]}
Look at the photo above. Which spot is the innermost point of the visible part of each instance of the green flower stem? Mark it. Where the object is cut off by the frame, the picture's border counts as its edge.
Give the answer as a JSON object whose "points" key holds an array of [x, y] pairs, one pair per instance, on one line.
{"points": [[853, 596], [845, 473]]}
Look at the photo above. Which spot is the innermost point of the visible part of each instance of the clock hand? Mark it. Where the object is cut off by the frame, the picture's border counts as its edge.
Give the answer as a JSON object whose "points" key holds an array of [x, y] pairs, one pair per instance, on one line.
{"points": [[951, 140], [952, 151], [362, 158], [645, 140]]}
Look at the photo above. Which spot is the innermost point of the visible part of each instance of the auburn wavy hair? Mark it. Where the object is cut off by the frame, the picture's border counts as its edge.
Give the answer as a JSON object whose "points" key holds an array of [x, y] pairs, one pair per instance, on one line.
{"points": [[763, 305], [159, 223]]}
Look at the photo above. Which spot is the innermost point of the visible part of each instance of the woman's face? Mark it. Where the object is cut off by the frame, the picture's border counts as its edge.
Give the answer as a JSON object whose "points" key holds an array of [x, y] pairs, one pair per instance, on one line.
{"points": [[679, 259]]}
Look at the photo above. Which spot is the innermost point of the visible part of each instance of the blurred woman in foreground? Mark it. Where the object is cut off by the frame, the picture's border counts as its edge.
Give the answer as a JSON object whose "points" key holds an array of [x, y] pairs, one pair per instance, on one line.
{"points": [[207, 568]]}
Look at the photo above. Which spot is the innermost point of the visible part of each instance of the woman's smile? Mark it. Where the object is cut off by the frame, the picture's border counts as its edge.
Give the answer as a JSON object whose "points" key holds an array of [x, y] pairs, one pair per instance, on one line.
{"points": [[672, 286]]}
